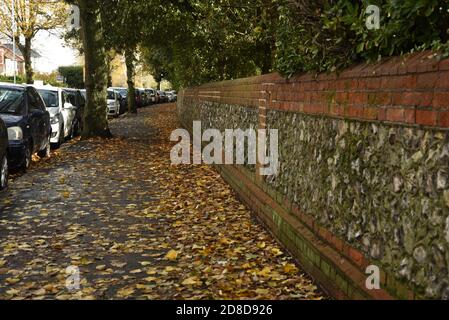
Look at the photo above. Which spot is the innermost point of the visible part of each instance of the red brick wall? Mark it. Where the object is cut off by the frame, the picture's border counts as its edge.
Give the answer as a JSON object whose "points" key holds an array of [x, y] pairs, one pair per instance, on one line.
{"points": [[412, 90]]}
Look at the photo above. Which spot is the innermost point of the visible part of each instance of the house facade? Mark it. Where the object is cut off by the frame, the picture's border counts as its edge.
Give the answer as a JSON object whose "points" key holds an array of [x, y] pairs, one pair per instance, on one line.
{"points": [[7, 60]]}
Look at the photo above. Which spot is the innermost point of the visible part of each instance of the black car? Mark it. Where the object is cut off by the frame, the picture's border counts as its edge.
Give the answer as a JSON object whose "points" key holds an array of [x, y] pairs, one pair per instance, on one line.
{"points": [[28, 122], [163, 96], [77, 100], [3, 156]]}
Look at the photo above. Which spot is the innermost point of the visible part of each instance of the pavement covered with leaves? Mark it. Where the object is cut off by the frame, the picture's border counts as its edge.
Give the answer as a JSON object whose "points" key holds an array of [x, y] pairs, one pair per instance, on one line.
{"points": [[136, 227]]}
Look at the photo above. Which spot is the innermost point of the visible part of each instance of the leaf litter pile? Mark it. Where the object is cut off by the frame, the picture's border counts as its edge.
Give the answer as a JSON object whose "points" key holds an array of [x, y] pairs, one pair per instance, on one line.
{"points": [[136, 227]]}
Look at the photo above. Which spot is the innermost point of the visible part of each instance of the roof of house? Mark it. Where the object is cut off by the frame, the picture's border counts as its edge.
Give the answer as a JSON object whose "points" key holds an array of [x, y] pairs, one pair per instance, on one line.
{"points": [[9, 46], [9, 54]]}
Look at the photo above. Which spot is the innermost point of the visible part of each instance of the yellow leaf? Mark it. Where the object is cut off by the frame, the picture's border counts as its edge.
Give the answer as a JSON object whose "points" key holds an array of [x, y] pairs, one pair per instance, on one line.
{"points": [[150, 279], [261, 245], [118, 264], [12, 292], [262, 292], [265, 272], [125, 292], [101, 267], [169, 269], [191, 281], [151, 271], [277, 252], [290, 268], [171, 255], [136, 271], [12, 280], [142, 286], [225, 241], [40, 292]]}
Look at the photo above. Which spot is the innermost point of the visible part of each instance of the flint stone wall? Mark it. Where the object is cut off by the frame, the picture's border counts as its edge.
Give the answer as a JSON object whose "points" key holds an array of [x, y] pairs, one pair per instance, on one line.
{"points": [[361, 168]]}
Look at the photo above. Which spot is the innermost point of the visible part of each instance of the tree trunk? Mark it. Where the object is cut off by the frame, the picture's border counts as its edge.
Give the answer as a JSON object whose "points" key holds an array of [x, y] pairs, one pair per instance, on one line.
{"points": [[26, 52], [129, 57], [95, 117]]}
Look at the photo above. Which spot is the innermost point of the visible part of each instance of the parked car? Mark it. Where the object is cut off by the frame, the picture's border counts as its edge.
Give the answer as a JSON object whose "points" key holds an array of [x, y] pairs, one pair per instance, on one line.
{"points": [[138, 98], [163, 97], [124, 98], [62, 113], [4, 167], [84, 94], [144, 98], [151, 93], [172, 97], [28, 122], [77, 99], [113, 101]]}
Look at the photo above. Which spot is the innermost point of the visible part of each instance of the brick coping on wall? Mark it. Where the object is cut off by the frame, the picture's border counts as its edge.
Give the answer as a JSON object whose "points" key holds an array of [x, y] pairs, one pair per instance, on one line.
{"points": [[411, 90]]}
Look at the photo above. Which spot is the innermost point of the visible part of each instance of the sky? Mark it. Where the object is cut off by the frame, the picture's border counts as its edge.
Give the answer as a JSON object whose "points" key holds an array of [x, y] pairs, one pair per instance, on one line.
{"points": [[54, 52]]}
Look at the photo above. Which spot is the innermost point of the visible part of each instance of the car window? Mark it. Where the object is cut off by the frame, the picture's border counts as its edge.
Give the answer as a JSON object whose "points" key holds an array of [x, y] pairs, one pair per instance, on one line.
{"points": [[39, 99], [111, 95], [81, 100], [71, 98], [65, 97], [11, 101], [33, 101], [50, 98]]}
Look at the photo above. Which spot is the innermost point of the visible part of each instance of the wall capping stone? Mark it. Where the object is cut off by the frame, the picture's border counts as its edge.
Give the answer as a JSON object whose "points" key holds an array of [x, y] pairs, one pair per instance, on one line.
{"points": [[410, 90]]}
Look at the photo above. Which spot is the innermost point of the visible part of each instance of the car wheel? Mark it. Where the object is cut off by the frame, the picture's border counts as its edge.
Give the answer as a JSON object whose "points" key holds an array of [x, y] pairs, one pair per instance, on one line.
{"points": [[74, 129], [27, 157], [78, 128], [61, 136], [4, 173], [45, 153]]}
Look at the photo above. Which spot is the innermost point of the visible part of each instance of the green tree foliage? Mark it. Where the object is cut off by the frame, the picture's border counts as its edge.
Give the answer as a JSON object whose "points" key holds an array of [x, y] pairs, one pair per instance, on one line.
{"points": [[124, 21], [323, 35], [73, 76], [195, 41], [10, 79]]}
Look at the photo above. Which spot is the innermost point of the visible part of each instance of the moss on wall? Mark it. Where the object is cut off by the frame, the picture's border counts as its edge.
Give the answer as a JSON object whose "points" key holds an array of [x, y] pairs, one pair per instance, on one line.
{"points": [[384, 188]]}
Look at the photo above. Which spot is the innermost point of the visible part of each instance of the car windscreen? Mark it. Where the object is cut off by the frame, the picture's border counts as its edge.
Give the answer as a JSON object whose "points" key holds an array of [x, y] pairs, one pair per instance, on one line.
{"points": [[111, 95], [11, 100], [50, 98]]}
